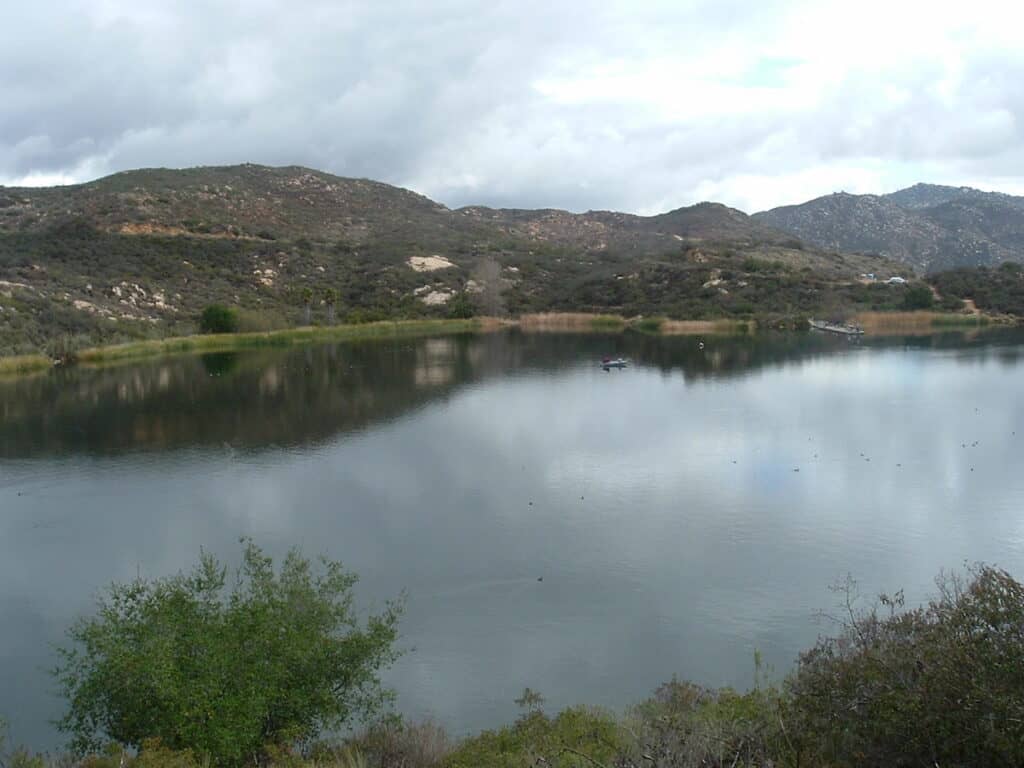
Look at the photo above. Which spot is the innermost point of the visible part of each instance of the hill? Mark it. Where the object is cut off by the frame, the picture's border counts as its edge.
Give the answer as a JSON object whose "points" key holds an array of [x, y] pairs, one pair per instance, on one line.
{"points": [[138, 254], [926, 226]]}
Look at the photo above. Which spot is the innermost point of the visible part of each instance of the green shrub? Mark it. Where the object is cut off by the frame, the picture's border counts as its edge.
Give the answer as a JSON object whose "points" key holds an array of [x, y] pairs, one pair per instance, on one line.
{"points": [[918, 296], [939, 685], [574, 737], [649, 324], [261, 321], [685, 725], [154, 754], [225, 673], [217, 318], [393, 742], [607, 323], [461, 307]]}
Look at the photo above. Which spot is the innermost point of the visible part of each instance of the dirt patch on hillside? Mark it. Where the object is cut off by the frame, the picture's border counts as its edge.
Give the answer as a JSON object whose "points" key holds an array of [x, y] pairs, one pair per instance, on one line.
{"points": [[429, 263]]}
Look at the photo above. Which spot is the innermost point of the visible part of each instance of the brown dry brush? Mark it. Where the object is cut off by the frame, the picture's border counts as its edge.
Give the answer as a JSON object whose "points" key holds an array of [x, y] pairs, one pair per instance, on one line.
{"points": [[942, 684]]}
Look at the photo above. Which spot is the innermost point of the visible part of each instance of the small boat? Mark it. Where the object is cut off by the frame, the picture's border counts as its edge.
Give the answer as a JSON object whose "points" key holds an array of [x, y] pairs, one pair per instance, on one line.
{"points": [[607, 363], [846, 330]]}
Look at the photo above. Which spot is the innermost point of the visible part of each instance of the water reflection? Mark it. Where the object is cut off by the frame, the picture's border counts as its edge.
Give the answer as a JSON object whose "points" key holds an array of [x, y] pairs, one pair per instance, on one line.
{"points": [[304, 396]]}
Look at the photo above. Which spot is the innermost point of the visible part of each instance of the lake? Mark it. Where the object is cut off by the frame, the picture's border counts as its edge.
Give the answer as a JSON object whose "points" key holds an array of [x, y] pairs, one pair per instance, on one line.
{"points": [[682, 513]]}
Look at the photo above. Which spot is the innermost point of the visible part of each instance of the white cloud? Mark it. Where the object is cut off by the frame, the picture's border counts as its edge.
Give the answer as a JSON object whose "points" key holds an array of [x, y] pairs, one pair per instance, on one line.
{"points": [[576, 104]]}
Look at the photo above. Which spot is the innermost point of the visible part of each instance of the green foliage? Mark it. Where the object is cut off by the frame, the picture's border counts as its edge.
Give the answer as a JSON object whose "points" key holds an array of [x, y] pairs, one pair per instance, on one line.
{"points": [[153, 754], [993, 290], [607, 323], [649, 324], [461, 307], [574, 737], [918, 296], [754, 265], [260, 321], [685, 725], [223, 671], [331, 300], [939, 685], [393, 742], [217, 318]]}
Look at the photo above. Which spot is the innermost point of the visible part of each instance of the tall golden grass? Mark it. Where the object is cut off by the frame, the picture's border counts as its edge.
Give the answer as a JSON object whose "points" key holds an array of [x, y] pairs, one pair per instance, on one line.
{"points": [[571, 322], [921, 321], [583, 322], [695, 327]]}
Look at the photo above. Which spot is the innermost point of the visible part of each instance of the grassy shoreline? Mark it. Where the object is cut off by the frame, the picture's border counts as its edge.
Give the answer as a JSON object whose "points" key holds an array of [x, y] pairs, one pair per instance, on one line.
{"points": [[22, 364], [229, 342]]}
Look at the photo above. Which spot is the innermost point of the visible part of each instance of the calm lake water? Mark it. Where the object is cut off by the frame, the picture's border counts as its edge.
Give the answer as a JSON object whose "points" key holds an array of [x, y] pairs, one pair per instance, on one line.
{"points": [[682, 513]]}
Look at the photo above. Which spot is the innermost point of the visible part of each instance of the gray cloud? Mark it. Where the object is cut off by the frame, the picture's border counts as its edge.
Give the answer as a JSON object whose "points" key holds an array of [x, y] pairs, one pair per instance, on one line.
{"points": [[571, 104]]}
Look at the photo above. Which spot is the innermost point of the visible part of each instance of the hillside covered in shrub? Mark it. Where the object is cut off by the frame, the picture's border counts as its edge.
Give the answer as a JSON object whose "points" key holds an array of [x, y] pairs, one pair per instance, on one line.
{"points": [[140, 255]]}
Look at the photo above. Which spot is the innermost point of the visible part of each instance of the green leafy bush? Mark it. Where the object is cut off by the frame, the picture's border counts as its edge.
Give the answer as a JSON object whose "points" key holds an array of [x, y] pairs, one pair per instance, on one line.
{"points": [[225, 672], [392, 742], [918, 296], [461, 307], [649, 324], [574, 737], [685, 725], [217, 318]]}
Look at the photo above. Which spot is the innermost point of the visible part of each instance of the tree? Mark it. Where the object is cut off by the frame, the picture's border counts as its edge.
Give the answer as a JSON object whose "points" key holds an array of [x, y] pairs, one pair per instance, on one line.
{"points": [[331, 299], [918, 296], [225, 672], [217, 318], [461, 306], [307, 303]]}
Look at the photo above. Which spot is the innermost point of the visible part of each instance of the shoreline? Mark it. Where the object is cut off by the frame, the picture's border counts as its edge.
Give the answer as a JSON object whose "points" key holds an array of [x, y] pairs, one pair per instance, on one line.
{"points": [[874, 324]]}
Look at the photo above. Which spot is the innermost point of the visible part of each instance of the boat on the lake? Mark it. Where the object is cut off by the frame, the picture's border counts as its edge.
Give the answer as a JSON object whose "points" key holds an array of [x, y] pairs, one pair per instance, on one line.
{"points": [[618, 362], [846, 330]]}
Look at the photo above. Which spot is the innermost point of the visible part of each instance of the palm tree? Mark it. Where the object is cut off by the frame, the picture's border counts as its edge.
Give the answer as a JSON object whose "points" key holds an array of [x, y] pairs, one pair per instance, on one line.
{"points": [[330, 298], [307, 300]]}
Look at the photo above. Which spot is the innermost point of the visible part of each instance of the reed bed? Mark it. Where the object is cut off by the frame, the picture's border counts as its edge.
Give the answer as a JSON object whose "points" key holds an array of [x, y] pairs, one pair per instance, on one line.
{"points": [[571, 322], [696, 327], [909, 322]]}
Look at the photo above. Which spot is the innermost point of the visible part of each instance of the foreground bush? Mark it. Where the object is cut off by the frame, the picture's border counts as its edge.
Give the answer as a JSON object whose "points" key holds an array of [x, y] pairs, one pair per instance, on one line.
{"points": [[939, 685], [225, 673], [574, 737], [687, 726]]}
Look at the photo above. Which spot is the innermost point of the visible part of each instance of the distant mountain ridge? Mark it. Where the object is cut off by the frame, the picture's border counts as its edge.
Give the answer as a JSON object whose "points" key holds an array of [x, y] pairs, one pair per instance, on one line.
{"points": [[927, 226], [253, 201]]}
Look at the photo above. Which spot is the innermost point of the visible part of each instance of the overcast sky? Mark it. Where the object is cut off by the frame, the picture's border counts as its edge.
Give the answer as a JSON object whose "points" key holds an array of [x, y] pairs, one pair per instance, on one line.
{"points": [[631, 105]]}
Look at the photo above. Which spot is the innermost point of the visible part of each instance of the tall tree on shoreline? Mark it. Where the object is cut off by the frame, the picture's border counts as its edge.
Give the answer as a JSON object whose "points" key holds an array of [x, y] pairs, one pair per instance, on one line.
{"points": [[331, 299], [307, 306]]}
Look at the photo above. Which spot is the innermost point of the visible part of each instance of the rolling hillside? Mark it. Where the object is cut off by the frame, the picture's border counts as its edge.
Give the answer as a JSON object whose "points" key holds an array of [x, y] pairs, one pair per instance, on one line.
{"points": [[138, 254]]}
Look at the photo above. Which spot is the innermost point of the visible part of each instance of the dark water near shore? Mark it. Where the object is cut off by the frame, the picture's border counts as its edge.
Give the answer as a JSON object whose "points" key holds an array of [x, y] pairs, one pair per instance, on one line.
{"points": [[661, 504]]}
